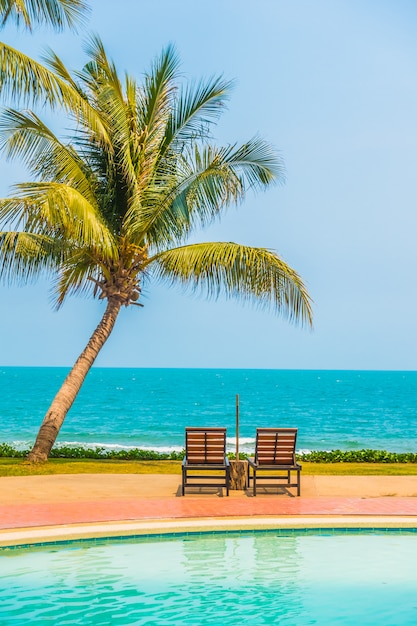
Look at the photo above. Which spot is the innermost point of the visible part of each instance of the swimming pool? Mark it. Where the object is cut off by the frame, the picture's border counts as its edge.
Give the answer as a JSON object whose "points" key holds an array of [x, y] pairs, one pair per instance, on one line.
{"points": [[286, 577]]}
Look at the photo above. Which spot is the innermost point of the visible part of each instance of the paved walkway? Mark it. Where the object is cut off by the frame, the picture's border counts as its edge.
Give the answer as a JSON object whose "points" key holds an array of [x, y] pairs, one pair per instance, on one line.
{"points": [[39, 501]]}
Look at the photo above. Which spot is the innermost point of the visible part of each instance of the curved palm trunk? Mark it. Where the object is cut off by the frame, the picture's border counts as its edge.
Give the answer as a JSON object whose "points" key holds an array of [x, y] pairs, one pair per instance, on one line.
{"points": [[65, 397]]}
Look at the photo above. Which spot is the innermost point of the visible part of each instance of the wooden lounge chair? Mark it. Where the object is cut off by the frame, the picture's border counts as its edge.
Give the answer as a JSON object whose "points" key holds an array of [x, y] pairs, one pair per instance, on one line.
{"points": [[205, 450], [275, 454]]}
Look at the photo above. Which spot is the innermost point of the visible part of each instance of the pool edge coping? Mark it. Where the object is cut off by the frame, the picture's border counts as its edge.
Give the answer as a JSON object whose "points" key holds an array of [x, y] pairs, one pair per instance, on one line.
{"points": [[100, 530]]}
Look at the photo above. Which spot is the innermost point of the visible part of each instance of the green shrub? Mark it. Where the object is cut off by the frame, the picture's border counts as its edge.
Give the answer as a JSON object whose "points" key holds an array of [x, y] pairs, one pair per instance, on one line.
{"points": [[358, 456], [122, 455], [79, 452], [9, 452], [317, 456]]}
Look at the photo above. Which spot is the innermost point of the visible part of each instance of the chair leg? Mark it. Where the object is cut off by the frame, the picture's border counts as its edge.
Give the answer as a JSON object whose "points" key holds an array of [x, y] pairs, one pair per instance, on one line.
{"points": [[184, 478], [254, 482], [298, 483], [227, 480]]}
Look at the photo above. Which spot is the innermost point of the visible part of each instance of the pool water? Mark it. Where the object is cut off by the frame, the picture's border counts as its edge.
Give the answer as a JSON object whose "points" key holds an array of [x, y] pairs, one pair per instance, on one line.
{"points": [[287, 578]]}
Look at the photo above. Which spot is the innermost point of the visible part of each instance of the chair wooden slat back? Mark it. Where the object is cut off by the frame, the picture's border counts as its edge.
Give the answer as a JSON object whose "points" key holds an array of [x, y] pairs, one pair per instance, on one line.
{"points": [[275, 446], [205, 445]]}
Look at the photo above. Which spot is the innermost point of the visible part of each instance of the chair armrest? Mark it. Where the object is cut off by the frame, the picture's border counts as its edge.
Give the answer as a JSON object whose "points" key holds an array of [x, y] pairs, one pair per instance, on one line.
{"points": [[251, 462]]}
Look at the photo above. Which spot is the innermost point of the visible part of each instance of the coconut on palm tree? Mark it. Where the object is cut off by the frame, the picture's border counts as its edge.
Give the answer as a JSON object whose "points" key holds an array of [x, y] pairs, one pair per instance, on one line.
{"points": [[113, 207]]}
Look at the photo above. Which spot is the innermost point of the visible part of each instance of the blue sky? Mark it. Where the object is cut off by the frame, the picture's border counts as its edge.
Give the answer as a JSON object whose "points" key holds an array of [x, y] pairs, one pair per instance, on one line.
{"points": [[333, 85]]}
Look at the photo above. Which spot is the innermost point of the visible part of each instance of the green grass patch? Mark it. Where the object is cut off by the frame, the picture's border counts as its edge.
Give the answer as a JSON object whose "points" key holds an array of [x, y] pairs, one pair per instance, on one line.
{"points": [[18, 467], [359, 469]]}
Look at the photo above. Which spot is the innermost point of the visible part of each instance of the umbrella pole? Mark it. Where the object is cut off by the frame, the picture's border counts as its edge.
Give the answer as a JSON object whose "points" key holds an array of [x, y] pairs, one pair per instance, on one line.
{"points": [[238, 468], [237, 427]]}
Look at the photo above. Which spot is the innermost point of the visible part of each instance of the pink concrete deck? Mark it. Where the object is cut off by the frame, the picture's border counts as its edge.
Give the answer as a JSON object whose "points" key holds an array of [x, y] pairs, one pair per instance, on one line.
{"points": [[38, 501], [48, 514]]}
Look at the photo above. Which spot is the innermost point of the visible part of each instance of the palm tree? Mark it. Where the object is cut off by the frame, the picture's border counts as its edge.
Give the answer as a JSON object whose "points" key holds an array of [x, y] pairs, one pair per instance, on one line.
{"points": [[55, 13], [112, 208]]}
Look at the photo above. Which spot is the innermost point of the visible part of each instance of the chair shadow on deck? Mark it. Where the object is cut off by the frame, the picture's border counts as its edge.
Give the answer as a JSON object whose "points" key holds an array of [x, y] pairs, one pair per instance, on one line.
{"points": [[203, 490], [269, 490]]}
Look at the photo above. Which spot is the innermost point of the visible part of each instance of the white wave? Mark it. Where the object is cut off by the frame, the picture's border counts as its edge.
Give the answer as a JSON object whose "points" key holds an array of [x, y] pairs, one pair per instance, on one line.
{"points": [[119, 446], [246, 444], [242, 440], [21, 445], [94, 444]]}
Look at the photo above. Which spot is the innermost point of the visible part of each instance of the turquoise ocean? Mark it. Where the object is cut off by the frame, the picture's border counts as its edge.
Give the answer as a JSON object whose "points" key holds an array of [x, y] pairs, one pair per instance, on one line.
{"points": [[149, 408]]}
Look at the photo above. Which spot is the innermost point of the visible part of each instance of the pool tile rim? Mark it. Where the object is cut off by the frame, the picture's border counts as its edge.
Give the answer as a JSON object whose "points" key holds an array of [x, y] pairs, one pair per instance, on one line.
{"points": [[62, 534]]}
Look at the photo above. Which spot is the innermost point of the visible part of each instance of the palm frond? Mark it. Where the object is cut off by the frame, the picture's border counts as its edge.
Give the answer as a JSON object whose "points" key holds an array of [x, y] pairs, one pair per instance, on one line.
{"points": [[257, 161], [23, 256], [56, 13], [243, 272], [55, 63], [148, 110], [197, 106], [100, 71], [60, 211], [117, 109], [155, 98], [75, 276], [23, 79], [25, 136], [205, 182]]}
